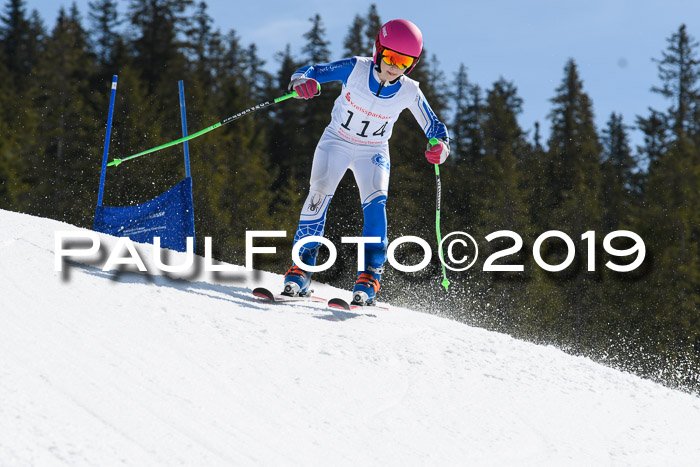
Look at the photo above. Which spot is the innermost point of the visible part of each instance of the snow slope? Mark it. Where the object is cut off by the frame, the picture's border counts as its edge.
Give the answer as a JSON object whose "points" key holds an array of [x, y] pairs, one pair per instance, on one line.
{"points": [[100, 368]]}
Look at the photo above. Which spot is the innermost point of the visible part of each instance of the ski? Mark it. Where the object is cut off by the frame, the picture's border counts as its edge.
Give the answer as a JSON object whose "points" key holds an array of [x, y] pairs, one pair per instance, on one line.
{"points": [[266, 295], [340, 304]]}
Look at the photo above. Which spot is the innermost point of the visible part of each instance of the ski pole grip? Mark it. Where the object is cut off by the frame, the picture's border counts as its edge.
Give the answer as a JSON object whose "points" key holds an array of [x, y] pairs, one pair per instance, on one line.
{"points": [[433, 141], [294, 94]]}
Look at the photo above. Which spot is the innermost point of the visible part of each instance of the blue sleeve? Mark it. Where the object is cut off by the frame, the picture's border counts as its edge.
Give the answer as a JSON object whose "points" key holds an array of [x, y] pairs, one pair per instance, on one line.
{"points": [[334, 71], [426, 118]]}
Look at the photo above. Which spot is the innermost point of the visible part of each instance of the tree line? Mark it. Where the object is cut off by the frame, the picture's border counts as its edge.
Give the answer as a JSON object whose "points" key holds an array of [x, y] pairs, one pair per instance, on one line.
{"points": [[54, 96]]}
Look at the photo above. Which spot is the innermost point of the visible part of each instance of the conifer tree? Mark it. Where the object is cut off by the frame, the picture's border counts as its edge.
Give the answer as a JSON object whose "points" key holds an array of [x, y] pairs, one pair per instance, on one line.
{"points": [[537, 298], [466, 151], [618, 176], [21, 42], [372, 24], [671, 223], [316, 48], [67, 129], [574, 203], [355, 42], [534, 167], [231, 80], [537, 137], [316, 111], [466, 132], [679, 72], [201, 32], [504, 143], [573, 157], [105, 20], [656, 139], [205, 77], [285, 147], [157, 50], [498, 198], [37, 38], [8, 176], [360, 38], [291, 184], [258, 80], [671, 229], [16, 40]]}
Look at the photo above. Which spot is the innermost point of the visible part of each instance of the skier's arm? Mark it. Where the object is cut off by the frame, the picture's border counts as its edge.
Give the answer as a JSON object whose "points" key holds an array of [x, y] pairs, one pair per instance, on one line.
{"points": [[433, 128], [335, 71], [426, 118], [305, 80]]}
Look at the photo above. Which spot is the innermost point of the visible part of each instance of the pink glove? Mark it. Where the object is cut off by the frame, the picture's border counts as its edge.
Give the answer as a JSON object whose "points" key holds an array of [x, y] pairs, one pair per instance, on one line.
{"points": [[438, 153], [306, 88]]}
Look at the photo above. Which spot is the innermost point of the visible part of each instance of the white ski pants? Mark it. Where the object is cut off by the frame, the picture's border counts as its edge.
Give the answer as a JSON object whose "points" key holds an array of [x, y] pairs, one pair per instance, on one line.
{"points": [[371, 167]]}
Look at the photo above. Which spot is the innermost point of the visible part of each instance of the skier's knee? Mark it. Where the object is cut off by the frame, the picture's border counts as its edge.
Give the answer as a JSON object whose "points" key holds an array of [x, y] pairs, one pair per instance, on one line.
{"points": [[316, 204]]}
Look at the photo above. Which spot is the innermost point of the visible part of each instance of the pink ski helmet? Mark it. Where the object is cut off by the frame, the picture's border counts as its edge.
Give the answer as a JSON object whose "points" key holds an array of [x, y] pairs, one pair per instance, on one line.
{"points": [[401, 36]]}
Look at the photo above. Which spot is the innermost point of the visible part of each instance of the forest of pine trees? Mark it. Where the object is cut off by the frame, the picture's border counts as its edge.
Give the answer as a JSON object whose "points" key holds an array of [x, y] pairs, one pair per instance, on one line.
{"points": [[253, 175]]}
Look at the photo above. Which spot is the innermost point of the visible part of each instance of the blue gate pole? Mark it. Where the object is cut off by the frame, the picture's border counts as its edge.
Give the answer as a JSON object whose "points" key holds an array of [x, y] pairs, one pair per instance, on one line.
{"points": [[186, 147], [105, 153], [183, 117]]}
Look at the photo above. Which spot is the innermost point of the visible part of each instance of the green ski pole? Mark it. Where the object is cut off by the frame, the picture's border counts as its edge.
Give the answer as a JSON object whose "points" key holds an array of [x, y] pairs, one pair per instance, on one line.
{"points": [[116, 162], [445, 281]]}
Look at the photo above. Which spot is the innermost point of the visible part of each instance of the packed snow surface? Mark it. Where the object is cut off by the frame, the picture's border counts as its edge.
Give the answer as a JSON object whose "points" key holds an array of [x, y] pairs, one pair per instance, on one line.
{"points": [[125, 369]]}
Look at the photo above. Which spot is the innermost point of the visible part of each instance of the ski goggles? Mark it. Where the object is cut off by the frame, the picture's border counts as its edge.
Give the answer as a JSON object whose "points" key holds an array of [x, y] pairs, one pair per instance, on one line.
{"points": [[394, 58]]}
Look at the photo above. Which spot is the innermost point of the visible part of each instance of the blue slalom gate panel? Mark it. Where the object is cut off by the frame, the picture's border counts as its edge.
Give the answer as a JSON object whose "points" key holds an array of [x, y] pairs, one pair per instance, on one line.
{"points": [[169, 216]]}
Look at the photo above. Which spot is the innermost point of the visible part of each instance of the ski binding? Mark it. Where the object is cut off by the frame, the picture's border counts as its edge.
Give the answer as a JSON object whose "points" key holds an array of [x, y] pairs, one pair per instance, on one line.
{"points": [[265, 294]]}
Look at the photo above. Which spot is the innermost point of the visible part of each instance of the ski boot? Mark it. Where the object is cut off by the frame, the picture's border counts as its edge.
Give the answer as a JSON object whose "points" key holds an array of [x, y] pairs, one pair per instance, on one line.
{"points": [[366, 288], [296, 282]]}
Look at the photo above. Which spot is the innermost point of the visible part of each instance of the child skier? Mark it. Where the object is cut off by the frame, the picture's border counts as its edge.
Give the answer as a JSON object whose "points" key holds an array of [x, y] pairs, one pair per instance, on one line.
{"points": [[375, 91]]}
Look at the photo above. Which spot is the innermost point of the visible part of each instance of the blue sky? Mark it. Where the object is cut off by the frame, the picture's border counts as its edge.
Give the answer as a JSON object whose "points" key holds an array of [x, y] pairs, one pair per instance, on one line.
{"points": [[527, 42]]}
